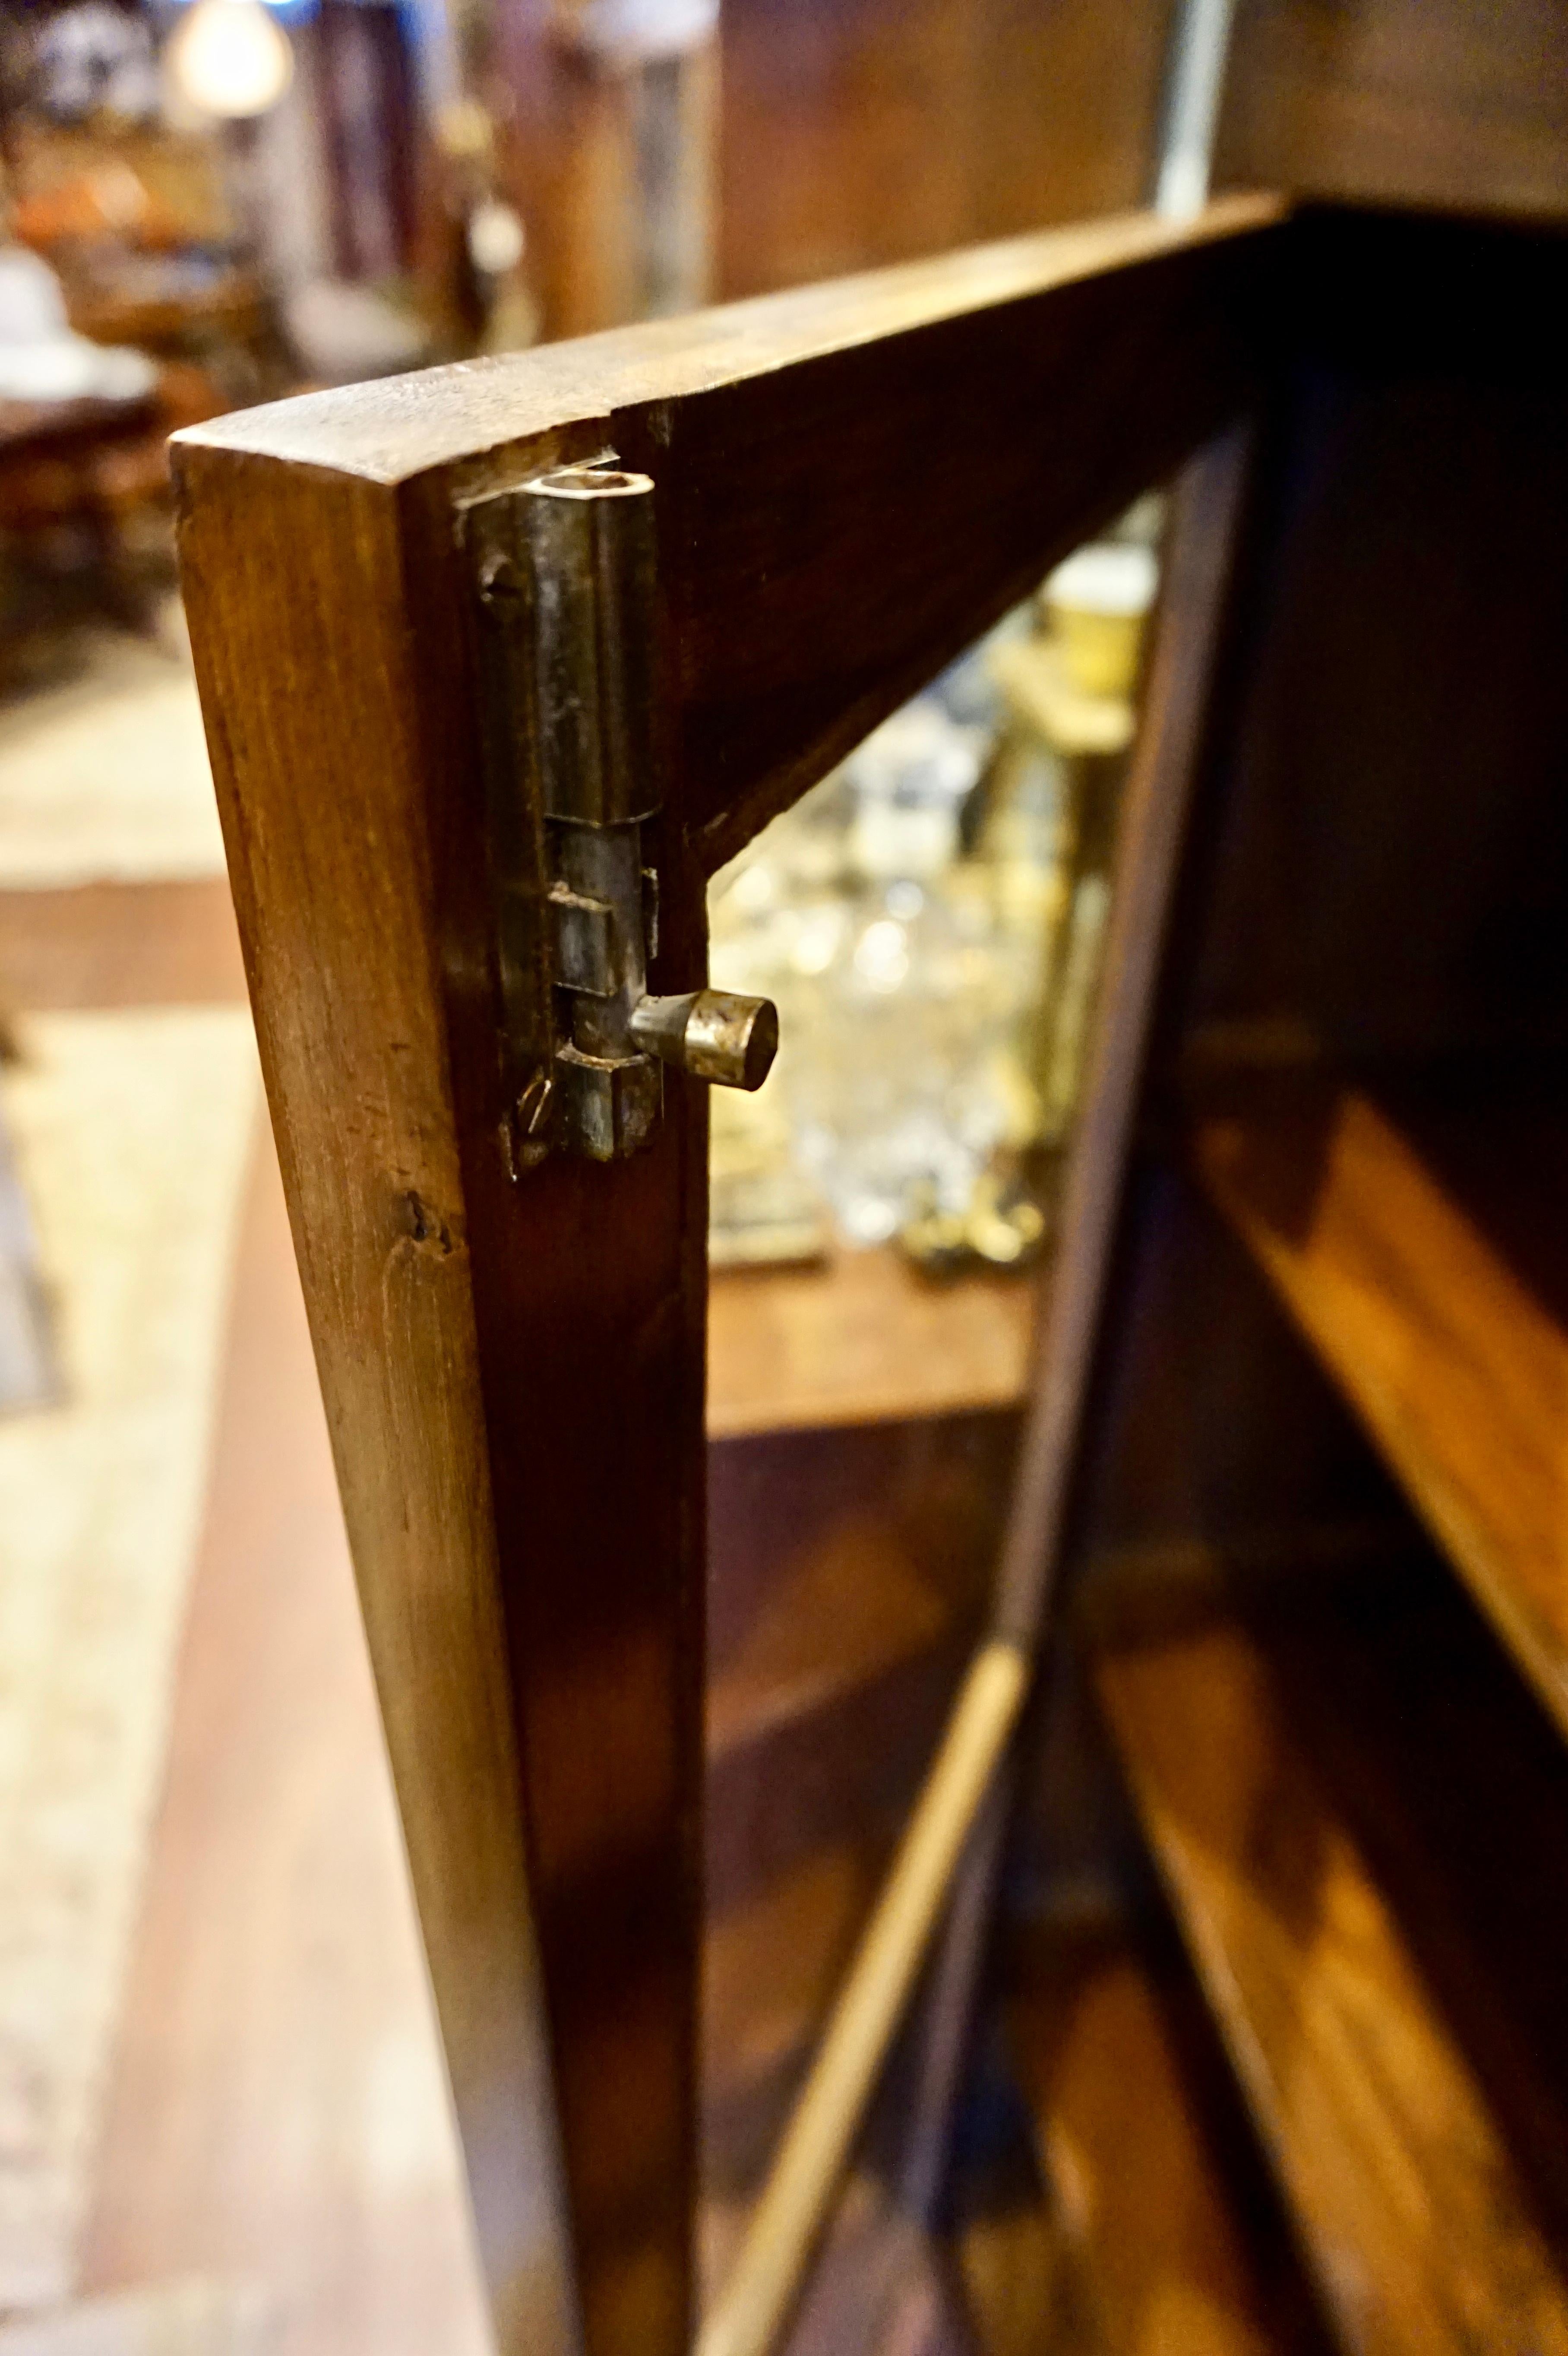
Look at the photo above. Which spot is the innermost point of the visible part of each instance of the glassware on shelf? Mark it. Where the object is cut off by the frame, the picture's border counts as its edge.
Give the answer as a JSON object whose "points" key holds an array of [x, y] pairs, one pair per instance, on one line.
{"points": [[898, 1107], [930, 922], [1097, 602], [897, 1104]]}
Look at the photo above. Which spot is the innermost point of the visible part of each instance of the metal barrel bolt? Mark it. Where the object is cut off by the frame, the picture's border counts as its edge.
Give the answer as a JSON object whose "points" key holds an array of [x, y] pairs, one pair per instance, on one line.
{"points": [[585, 536]]}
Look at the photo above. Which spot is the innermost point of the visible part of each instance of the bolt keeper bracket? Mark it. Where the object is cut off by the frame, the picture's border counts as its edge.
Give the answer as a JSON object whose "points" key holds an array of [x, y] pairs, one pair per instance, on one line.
{"points": [[564, 571]]}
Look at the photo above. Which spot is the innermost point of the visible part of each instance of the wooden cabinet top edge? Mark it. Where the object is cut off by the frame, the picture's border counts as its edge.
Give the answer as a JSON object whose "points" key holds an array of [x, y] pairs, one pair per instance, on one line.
{"points": [[394, 428]]}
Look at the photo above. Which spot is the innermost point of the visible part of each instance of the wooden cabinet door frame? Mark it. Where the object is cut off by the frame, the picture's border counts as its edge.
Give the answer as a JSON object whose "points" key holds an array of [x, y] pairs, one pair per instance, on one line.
{"points": [[849, 483]]}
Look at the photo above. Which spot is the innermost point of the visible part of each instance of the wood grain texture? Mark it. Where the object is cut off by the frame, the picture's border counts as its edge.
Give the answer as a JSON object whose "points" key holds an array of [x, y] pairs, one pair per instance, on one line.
{"points": [[853, 480], [1216, 1433], [854, 132], [1457, 1369], [1453, 1791], [1374, 871], [463, 1511], [394, 428], [1416, 2226]]}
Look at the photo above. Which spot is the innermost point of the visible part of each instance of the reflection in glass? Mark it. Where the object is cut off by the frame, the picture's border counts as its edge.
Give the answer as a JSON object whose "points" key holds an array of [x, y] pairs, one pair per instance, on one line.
{"points": [[929, 921]]}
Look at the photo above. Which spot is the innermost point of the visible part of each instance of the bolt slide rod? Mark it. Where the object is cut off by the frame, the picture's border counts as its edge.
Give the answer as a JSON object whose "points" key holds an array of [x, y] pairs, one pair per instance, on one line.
{"points": [[757, 2299]]}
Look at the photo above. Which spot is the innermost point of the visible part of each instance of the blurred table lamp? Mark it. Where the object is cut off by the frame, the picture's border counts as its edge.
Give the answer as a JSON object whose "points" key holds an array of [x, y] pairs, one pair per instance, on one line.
{"points": [[231, 58], [231, 61]]}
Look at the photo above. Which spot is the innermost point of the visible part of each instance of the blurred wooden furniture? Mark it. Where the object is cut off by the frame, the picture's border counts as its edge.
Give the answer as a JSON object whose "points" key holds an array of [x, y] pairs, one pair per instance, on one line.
{"points": [[45, 445], [861, 134], [1460, 103], [794, 145], [92, 466], [852, 136], [80, 184], [59, 463], [1285, 1816], [140, 227], [190, 315], [1314, 1549]]}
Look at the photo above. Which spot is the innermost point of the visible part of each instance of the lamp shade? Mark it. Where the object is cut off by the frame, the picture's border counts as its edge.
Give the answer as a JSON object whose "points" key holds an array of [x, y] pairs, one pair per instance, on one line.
{"points": [[230, 58]]}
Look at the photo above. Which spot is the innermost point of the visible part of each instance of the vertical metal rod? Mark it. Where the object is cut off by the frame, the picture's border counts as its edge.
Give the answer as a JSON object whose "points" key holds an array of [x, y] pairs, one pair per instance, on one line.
{"points": [[1200, 557], [589, 532], [1201, 551], [757, 2299], [1201, 45], [944, 2030]]}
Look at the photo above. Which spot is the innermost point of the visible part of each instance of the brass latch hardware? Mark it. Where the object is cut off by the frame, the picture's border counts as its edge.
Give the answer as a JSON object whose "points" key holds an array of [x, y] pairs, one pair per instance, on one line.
{"points": [[564, 567]]}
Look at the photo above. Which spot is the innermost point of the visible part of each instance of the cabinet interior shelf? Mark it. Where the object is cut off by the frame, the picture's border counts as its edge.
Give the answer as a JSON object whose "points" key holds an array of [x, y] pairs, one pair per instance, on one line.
{"points": [[1421, 1253], [1343, 1808], [861, 1338]]}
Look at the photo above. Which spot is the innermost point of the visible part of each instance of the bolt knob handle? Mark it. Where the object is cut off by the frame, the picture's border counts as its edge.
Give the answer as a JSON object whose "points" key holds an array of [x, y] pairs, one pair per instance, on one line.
{"points": [[714, 1034]]}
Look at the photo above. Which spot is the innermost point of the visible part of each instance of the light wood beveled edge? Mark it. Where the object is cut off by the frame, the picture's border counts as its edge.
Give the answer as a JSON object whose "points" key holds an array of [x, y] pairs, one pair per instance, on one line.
{"points": [[468, 413], [810, 485], [320, 756]]}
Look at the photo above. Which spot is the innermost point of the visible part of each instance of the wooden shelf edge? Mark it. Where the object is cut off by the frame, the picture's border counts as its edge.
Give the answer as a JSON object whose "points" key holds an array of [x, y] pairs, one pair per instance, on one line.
{"points": [[862, 1338], [1451, 1365], [1148, 2219], [1407, 2204]]}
